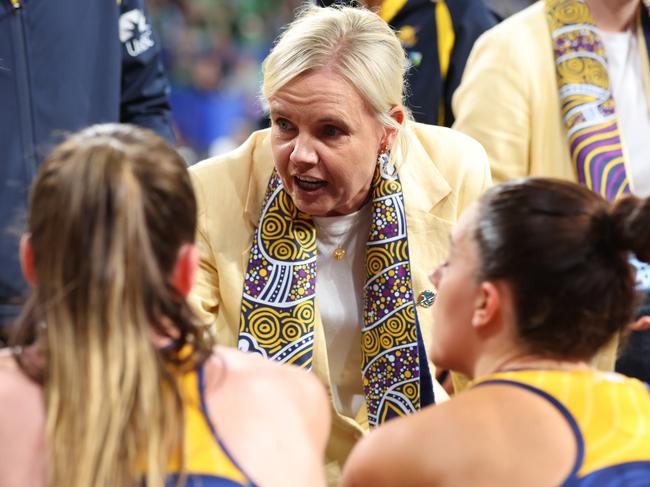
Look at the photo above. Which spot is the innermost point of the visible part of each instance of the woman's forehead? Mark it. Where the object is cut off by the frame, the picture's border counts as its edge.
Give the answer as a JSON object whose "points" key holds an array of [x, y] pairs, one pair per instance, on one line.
{"points": [[320, 90], [466, 224]]}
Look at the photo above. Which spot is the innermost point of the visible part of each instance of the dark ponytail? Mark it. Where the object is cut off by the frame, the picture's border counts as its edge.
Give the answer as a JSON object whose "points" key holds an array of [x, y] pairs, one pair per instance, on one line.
{"points": [[565, 252]]}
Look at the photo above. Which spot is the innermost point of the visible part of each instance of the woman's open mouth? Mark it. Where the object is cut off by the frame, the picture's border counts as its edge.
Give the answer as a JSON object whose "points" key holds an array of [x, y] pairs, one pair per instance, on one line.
{"points": [[306, 183]]}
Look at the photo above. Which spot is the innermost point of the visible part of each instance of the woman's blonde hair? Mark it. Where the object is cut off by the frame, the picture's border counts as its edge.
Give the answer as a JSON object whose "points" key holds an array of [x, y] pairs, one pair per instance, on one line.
{"points": [[109, 211], [354, 42]]}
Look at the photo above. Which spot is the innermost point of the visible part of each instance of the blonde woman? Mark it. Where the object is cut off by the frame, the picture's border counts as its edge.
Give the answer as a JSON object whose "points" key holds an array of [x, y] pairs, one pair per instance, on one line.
{"points": [[110, 383], [316, 235]]}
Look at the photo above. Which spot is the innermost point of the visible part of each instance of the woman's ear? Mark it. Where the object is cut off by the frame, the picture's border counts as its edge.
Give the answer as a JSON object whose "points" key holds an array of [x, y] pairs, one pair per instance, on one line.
{"points": [[27, 259], [187, 263], [398, 114], [488, 306]]}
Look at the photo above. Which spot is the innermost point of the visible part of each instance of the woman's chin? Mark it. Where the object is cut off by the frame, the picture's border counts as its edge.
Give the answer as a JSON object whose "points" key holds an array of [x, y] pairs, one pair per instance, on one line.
{"points": [[313, 203]]}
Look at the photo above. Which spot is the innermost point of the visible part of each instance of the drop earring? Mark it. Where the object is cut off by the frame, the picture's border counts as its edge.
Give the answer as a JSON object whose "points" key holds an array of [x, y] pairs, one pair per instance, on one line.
{"points": [[386, 168]]}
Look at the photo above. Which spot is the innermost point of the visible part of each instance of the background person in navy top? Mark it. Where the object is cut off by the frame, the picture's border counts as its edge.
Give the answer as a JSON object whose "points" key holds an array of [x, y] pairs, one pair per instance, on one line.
{"points": [[65, 65]]}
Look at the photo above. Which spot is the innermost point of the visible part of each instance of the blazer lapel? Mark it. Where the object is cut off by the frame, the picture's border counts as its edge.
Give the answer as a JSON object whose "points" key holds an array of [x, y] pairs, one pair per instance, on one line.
{"points": [[261, 169], [424, 189]]}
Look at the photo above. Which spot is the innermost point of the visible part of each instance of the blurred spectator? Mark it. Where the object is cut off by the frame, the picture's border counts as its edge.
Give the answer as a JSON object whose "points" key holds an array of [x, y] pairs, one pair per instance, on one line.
{"points": [[213, 50], [65, 65], [437, 37]]}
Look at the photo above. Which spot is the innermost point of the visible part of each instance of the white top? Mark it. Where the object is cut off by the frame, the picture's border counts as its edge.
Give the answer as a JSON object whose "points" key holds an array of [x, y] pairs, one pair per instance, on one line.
{"points": [[339, 293], [626, 81]]}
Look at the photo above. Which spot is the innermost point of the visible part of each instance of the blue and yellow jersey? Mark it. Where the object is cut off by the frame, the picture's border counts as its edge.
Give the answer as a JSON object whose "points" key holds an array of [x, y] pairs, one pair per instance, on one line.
{"points": [[437, 38], [208, 463], [610, 417]]}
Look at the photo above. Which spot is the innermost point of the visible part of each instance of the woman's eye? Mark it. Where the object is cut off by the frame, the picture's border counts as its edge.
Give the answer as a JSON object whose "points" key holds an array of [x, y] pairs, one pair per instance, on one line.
{"points": [[332, 131], [283, 124]]}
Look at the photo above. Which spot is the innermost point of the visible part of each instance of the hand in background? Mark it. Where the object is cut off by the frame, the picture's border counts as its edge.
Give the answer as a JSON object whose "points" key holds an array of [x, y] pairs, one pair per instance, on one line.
{"points": [[642, 323]]}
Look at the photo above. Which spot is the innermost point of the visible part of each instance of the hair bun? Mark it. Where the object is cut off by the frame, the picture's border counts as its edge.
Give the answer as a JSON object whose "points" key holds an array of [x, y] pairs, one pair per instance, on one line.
{"points": [[605, 234], [631, 218]]}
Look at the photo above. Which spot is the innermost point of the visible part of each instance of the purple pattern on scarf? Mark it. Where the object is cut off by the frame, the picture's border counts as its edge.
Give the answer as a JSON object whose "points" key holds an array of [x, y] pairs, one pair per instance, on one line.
{"points": [[390, 360], [581, 43]]}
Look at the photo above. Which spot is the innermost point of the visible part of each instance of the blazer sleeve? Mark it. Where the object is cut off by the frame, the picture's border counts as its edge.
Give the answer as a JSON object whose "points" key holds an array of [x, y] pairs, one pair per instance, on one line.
{"points": [[205, 297], [492, 105], [477, 178], [145, 89]]}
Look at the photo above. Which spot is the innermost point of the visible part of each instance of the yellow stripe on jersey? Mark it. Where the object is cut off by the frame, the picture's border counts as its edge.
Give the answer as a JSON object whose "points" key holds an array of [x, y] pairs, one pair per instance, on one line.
{"points": [[204, 455], [612, 412]]}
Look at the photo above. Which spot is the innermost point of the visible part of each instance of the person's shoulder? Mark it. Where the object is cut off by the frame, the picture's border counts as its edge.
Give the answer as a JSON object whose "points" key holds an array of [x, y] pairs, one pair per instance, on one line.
{"points": [[9, 372], [434, 446], [451, 150], [270, 414], [281, 399], [258, 379], [22, 425], [412, 450], [389, 456], [7, 361], [519, 23], [438, 138], [496, 421], [517, 35], [12, 378], [18, 393]]}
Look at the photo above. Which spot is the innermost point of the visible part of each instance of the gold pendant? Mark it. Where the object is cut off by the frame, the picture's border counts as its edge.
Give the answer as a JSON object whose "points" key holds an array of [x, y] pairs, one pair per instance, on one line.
{"points": [[339, 253]]}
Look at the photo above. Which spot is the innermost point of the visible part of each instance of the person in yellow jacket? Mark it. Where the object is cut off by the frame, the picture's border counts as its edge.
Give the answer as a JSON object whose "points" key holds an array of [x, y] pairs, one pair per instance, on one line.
{"points": [[516, 312], [562, 89], [316, 234]]}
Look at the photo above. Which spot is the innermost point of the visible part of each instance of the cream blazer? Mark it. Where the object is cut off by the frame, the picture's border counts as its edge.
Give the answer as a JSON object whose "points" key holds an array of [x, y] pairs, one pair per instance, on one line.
{"points": [[508, 100], [443, 173]]}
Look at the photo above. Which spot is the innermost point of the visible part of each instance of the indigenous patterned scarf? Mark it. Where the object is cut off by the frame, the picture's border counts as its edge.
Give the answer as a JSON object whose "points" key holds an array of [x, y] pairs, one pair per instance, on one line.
{"points": [[278, 302], [588, 107]]}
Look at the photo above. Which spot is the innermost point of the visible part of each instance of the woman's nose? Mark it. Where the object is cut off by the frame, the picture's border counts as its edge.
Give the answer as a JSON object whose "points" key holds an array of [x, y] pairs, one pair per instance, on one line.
{"points": [[303, 152]]}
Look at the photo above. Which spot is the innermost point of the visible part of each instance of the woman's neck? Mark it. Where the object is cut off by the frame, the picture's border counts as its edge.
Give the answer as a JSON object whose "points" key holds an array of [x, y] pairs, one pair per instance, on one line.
{"points": [[613, 15], [515, 361]]}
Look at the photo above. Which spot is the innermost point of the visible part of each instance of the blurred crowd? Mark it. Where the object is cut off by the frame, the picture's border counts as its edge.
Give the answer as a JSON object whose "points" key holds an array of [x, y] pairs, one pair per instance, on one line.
{"points": [[213, 50]]}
